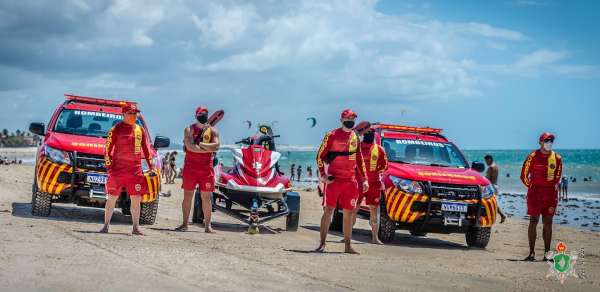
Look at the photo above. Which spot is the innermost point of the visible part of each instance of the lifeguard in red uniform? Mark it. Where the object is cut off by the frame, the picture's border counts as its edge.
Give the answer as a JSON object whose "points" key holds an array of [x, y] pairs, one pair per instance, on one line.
{"points": [[201, 142], [541, 173], [341, 152], [126, 146], [375, 161]]}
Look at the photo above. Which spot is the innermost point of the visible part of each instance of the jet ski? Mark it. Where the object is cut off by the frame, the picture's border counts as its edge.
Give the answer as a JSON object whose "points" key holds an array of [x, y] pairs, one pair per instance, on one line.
{"points": [[253, 189]]}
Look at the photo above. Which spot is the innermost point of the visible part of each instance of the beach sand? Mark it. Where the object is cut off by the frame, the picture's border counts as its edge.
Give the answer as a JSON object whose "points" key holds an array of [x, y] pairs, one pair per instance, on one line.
{"points": [[63, 253]]}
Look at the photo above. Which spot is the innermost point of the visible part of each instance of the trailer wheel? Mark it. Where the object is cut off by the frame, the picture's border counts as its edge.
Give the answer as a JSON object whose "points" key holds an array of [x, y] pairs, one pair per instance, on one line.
{"points": [[387, 226], [198, 215], [291, 221], [148, 212], [478, 236], [41, 204], [337, 220]]}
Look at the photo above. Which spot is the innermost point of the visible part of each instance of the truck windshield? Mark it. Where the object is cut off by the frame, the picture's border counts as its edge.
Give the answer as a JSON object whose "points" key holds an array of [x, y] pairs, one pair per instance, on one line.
{"points": [[423, 153], [87, 123]]}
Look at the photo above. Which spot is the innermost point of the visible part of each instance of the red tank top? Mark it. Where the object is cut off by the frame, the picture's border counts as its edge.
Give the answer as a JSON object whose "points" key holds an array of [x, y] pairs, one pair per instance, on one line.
{"points": [[199, 160]]}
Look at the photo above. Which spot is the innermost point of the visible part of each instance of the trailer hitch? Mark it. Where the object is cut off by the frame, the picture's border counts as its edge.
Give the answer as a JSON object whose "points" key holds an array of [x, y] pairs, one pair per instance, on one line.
{"points": [[253, 228]]}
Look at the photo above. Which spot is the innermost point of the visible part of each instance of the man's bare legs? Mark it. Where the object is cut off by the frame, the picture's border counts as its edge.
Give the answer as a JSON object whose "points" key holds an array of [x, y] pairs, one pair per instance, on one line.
{"points": [[374, 222], [186, 206], [532, 234], [347, 228], [109, 207], [135, 214], [547, 233], [325, 222], [207, 211]]}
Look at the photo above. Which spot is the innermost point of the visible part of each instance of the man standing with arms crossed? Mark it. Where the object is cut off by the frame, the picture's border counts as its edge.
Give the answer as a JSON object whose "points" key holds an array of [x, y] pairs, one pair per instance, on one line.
{"points": [[341, 152], [541, 173], [201, 142], [375, 161], [126, 145]]}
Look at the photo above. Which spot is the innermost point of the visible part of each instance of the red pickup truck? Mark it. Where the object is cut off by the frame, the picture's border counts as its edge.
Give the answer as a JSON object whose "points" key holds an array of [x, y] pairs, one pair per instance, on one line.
{"points": [[70, 160]]}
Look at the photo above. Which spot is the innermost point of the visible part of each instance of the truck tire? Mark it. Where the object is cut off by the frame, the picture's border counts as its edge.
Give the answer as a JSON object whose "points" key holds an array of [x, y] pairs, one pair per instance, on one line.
{"points": [[148, 212], [337, 221], [198, 215], [291, 221], [41, 204], [478, 236], [387, 226], [418, 233]]}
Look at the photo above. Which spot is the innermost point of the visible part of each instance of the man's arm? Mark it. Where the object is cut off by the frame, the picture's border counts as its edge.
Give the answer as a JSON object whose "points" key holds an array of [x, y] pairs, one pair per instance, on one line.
{"points": [[146, 150], [383, 161], [558, 174], [188, 141], [109, 148], [322, 154], [360, 166], [214, 145], [525, 175]]}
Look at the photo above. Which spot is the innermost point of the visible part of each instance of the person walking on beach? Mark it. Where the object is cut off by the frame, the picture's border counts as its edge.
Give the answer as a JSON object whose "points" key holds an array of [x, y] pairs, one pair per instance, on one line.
{"points": [[309, 171], [201, 142], [341, 152], [172, 167], [293, 172], [541, 172], [375, 161], [492, 176], [299, 172], [126, 145], [564, 187]]}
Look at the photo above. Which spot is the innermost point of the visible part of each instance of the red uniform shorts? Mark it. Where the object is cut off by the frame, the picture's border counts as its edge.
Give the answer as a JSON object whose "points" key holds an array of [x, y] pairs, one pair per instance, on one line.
{"points": [[192, 178], [342, 193], [541, 200], [372, 195], [132, 184]]}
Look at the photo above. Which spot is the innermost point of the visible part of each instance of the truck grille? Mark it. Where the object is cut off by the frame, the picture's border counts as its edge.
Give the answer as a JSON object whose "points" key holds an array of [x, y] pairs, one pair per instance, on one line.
{"points": [[455, 192], [91, 162]]}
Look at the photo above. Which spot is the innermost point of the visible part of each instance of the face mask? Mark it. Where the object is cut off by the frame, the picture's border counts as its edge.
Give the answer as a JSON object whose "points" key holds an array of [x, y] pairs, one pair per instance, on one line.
{"points": [[547, 146], [369, 137], [348, 124], [202, 118]]}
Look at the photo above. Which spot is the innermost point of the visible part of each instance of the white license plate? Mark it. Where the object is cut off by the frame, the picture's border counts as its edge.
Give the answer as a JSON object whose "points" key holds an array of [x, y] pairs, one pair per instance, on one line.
{"points": [[96, 179], [454, 207]]}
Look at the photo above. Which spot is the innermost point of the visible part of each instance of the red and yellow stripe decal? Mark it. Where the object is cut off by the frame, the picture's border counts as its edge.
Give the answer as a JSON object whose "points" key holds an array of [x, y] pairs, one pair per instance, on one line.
{"points": [[153, 184], [399, 203], [47, 176]]}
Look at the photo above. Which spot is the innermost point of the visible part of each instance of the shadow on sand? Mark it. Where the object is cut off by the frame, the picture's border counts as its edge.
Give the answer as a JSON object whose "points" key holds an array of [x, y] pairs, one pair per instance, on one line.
{"points": [[72, 213]]}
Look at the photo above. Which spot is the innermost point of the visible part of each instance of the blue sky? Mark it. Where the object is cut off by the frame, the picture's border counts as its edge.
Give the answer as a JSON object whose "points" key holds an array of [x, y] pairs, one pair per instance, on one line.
{"points": [[493, 74]]}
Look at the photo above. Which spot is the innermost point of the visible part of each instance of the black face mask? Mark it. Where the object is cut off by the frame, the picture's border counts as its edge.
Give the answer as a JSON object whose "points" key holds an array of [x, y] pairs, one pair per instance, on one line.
{"points": [[348, 124], [203, 118], [369, 137]]}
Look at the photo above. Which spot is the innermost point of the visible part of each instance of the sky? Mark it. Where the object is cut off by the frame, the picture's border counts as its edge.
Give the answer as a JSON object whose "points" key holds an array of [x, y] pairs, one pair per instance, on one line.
{"points": [[492, 74]]}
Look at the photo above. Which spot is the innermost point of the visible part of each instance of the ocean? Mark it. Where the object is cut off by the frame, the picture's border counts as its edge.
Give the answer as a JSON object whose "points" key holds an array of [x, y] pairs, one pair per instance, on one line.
{"points": [[579, 164]]}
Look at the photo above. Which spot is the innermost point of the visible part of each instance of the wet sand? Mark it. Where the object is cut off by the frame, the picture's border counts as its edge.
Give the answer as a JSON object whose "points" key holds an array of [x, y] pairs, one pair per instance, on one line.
{"points": [[64, 253]]}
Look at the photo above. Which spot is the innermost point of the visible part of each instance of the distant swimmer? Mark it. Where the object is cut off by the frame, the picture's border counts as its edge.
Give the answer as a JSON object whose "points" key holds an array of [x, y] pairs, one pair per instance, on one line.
{"points": [[292, 171], [564, 188], [507, 175], [309, 171], [345, 172], [492, 176], [299, 172], [541, 172]]}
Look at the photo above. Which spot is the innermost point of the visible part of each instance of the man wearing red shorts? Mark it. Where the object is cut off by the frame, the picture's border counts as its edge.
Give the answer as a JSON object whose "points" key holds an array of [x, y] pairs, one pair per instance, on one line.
{"points": [[126, 145], [375, 161], [340, 151], [201, 142], [541, 173]]}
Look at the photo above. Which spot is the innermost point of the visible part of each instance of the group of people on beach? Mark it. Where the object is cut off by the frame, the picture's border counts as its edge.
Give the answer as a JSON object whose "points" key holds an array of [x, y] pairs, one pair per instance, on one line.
{"points": [[6, 161], [350, 165], [169, 169], [296, 172]]}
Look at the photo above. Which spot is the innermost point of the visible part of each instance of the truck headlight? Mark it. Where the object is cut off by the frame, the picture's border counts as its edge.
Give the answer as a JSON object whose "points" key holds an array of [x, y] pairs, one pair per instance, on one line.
{"points": [[488, 191], [57, 156], [409, 186]]}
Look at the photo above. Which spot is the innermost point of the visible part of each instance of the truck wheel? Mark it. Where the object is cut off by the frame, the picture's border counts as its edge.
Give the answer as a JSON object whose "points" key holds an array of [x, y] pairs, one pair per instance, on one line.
{"points": [[198, 215], [41, 204], [337, 220], [387, 226], [418, 233], [291, 221], [478, 236], [148, 212]]}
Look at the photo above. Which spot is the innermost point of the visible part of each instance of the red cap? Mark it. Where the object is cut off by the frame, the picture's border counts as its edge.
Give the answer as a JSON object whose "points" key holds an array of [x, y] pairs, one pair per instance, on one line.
{"points": [[348, 114], [201, 110], [545, 136], [130, 108]]}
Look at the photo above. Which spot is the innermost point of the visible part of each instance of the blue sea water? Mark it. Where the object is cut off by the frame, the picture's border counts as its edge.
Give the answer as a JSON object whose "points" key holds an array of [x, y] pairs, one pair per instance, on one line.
{"points": [[579, 164]]}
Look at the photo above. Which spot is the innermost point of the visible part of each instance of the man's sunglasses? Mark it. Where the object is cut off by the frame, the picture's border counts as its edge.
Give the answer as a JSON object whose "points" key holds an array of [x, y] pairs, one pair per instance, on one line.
{"points": [[549, 140]]}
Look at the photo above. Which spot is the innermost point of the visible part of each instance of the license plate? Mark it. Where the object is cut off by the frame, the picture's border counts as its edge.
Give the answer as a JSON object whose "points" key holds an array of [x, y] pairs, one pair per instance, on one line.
{"points": [[454, 207], [96, 179]]}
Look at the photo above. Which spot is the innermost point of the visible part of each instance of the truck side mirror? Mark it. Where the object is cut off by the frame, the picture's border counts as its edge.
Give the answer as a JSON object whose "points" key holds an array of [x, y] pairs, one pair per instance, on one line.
{"points": [[478, 166], [37, 128], [161, 142]]}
